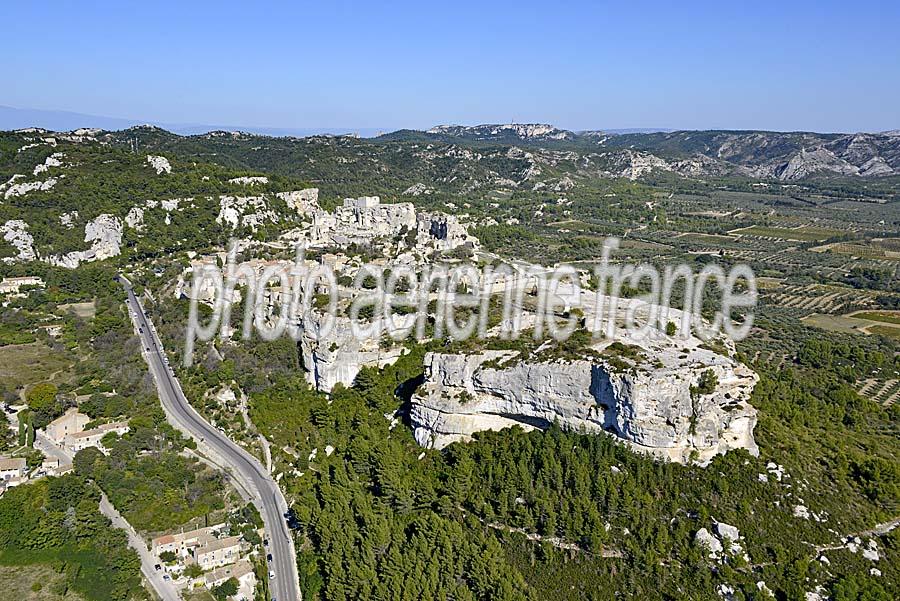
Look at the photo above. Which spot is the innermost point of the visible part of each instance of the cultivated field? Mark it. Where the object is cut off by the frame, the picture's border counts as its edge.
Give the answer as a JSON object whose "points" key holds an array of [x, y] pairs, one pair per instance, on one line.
{"points": [[882, 316], [800, 234]]}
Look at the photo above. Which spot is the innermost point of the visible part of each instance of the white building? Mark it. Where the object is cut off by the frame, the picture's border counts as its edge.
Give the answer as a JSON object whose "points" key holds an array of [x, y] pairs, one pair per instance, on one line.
{"points": [[12, 285], [242, 571], [91, 438], [217, 552], [71, 422], [12, 468], [182, 543]]}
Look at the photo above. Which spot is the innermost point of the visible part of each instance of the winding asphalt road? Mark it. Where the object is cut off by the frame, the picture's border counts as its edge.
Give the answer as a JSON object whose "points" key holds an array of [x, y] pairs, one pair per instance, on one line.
{"points": [[242, 466]]}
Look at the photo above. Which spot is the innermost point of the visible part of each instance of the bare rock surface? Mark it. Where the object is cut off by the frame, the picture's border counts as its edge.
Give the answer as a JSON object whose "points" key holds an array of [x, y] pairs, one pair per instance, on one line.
{"points": [[653, 406]]}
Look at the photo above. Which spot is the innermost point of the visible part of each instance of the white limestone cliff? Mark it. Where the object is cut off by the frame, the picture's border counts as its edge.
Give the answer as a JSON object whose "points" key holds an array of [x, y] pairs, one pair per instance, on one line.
{"points": [[245, 211], [304, 202], [338, 357], [362, 220], [51, 161], [652, 406], [104, 233]]}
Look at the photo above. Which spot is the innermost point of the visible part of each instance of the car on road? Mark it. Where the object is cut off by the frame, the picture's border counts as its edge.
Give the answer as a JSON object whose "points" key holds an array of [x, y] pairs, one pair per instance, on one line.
{"points": [[269, 557], [157, 567], [166, 577], [271, 574]]}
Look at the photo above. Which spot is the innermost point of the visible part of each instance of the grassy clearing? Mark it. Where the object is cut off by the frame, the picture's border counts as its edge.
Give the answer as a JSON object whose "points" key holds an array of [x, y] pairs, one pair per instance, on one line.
{"points": [[82, 310], [16, 582], [24, 364], [836, 323], [881, 316], [861, 322]]}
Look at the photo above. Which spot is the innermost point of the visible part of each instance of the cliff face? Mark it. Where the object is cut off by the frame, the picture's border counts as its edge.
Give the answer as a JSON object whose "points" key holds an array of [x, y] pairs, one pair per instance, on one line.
{"points": [[339, 357], [653, 408]]}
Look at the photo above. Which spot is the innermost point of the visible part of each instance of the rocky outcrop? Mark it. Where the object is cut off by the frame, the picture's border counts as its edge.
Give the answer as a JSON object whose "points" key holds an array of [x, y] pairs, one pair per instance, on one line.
{"points": [[67, 220], [245, 211], [653, 405], [505, 132], [135, 218], [304, 202], [786, 156], [338, 357], [161, 164], [249, 181], [417, 190], [365, 219], [809, 162], [104, 233], [26, 187], [51, 161], [15, 233]]}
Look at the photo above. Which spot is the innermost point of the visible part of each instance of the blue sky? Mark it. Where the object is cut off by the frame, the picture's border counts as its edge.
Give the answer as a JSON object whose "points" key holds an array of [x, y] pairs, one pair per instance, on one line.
{"points": [[823, 66]]}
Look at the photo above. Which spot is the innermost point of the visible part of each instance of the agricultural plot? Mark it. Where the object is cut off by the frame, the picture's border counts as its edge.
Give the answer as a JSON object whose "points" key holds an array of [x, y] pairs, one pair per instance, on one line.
{"points": [[836, 323], [883, 254], [701, 238], [858, 322], [799, 234], [766, 283], [883, 392], [819, 298], [769, 358], [892, 317], [889, 331]]}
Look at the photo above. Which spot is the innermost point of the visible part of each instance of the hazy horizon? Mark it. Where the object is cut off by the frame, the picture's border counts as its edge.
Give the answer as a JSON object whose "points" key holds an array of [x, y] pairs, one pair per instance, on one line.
{"points": [[12, 118]]}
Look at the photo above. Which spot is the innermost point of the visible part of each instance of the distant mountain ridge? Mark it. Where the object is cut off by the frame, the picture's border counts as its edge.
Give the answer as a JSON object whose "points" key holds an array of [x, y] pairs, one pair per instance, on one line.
{"points": [[16, 118], [503, 132], [785, 156], [760, 155]]}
